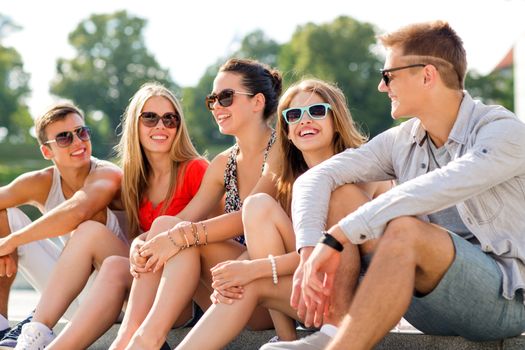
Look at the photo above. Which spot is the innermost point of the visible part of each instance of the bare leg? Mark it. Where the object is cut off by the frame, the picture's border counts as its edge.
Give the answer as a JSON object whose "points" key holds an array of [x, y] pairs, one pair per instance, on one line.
{"points": [[343, 201], [207, 335], [268, 230], [410, 255], [5, 282], [82, 252], [100, 309]]}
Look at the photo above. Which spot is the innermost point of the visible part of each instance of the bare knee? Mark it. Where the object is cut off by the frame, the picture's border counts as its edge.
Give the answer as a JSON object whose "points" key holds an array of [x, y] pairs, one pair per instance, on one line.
{"points": [[400, 237], [256, 206], [161, 224], [89, 232], [115, 270]]}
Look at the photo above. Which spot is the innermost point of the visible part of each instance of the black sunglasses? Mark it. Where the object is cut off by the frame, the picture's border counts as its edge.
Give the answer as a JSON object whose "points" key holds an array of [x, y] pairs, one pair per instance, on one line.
{"points": [[151, 119], [385, 73], [65, 138], [225, 98]]}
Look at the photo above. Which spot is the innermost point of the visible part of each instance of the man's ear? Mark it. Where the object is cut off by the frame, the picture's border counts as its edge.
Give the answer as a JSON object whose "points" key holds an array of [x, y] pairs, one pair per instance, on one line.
{"points": [[430, 75], [46, 151]]}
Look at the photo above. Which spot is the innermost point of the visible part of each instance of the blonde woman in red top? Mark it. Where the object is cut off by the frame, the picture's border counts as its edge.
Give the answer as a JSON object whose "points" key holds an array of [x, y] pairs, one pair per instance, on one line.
{"points": [[162, 173]]}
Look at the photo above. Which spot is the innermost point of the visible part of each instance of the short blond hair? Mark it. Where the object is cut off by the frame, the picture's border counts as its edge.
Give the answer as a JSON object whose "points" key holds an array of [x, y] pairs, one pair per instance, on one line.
{"points": [[434, 43]]}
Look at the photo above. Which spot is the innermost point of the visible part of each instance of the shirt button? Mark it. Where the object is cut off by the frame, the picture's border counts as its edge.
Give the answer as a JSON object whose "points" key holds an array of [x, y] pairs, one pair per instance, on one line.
{"points": [[423, 165], [484, 150], [362, 237], [469, 220]]}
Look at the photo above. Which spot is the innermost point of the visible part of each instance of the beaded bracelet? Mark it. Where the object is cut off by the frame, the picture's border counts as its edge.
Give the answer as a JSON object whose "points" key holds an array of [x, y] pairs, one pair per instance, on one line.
{"points": [[274, 269], [173, 240]]}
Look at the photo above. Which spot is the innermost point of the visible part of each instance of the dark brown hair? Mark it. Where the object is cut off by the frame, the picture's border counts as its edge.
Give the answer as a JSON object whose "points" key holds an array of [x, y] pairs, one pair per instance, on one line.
{"points": [[258, 77]]}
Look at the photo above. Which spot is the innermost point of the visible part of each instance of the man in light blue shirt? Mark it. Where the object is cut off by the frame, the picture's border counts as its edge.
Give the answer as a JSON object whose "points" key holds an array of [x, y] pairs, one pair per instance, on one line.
{"points": [[451, 250]]}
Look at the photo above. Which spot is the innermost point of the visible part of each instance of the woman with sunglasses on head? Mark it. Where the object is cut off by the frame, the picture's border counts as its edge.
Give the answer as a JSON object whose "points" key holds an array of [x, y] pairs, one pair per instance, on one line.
{"points": [[314, 124], [162, 173], [180, 253]]}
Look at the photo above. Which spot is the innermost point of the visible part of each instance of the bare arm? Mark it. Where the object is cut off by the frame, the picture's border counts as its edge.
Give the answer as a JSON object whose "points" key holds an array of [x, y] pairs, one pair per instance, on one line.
{"points": [[99, 189]]}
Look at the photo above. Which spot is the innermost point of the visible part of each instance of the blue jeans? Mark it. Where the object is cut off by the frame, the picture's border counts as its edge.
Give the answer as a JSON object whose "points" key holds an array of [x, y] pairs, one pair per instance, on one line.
{"points": [[467, 301]]}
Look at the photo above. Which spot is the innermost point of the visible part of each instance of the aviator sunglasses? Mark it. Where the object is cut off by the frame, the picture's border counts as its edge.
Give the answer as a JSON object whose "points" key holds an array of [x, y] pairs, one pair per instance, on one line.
{"points": [[225, 98], [65, 138], [316, 111], [385, 73], [151, 119]]}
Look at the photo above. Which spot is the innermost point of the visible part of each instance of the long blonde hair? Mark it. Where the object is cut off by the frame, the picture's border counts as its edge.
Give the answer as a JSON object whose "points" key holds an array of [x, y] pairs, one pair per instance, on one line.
{"points": [[132, 157], [346, 133]]}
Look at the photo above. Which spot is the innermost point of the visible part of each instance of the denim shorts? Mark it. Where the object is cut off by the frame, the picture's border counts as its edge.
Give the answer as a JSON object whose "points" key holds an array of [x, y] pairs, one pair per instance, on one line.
{"points": [[468, 300]]}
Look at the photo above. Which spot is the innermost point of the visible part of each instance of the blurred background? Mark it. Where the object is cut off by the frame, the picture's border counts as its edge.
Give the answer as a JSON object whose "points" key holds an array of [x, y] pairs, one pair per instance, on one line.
{"points": [[98, 53]]}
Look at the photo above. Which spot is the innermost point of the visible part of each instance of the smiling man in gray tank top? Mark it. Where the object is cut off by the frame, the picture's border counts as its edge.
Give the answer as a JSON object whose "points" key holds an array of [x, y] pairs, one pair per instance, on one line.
{"points": [[74, 191]]}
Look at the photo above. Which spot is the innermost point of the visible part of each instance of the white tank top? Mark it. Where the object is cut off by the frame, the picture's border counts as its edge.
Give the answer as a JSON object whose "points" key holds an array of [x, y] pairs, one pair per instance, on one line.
{"points": [[56, 197]]}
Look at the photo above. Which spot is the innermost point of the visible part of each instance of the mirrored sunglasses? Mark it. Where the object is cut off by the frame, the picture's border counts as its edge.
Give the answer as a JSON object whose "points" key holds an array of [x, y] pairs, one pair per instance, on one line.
{"points": [[316, 111], [65, 138], [151, 119]]}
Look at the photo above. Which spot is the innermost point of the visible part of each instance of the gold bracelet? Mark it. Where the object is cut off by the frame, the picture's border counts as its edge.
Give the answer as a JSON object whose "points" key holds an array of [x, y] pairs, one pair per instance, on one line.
{"points": [[183, 235], [173, 240], [195, 233], [205, 233]]}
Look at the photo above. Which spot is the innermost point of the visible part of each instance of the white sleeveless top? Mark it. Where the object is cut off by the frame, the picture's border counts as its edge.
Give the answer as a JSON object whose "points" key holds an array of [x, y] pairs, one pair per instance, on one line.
{"points": [[56, 197]]}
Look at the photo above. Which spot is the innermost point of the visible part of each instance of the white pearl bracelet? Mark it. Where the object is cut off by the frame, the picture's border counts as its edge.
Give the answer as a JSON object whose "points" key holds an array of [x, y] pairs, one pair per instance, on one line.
{"points": [[274, 269]]}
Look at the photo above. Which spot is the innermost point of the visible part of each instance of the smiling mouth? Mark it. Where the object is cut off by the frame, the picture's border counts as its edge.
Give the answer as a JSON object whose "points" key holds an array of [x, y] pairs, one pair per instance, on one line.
{"points": [[308, 132], [159, 137], [78, 152]]}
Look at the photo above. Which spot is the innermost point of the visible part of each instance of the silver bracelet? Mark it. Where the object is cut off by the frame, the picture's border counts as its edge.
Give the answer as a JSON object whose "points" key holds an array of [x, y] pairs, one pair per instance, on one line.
{"points": [[274, 269]]}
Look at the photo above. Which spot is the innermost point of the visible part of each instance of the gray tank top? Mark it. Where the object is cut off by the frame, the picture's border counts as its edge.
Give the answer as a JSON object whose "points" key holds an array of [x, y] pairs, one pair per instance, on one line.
{"points": [[56, 197]]}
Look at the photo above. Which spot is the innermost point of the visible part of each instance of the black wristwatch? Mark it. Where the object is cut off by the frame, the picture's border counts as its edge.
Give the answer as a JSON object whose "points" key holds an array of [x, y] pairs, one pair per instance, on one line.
{"points": [[330, 241]]}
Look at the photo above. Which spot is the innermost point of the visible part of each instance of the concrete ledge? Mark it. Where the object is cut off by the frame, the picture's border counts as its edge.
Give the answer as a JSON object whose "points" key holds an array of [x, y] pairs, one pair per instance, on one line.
{"points": [[404, 340]]}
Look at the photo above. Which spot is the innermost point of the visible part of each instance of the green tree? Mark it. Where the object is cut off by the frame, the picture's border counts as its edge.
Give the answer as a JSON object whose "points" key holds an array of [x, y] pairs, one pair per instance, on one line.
{"points": [[341, 52], [111, 63], [494, 88], [258, 46], [15, 120]]}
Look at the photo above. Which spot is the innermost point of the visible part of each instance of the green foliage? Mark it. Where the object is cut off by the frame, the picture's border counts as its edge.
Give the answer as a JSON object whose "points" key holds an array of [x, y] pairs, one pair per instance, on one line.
{"points": [[341, 52], [111, 63], [14, 88], [494, 88]]}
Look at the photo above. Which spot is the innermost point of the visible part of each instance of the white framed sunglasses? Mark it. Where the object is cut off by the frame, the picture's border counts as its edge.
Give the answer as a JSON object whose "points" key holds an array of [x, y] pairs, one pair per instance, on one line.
{"points": [[316, 111]]}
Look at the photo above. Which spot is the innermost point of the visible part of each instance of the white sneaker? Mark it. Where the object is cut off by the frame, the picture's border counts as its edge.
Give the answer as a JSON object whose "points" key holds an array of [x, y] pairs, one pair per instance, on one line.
{"points": [[34, 336]]}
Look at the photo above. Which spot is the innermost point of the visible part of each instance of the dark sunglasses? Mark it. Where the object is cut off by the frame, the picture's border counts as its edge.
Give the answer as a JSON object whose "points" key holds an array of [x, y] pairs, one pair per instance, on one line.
{"points": [[225, 98], [316, 111], [385, 73], [151, 119], [65, 138]]}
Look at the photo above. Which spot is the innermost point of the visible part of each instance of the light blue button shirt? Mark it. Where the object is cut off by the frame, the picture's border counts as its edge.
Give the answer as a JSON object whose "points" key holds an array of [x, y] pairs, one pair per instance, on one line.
{"points": [[485, 180]]}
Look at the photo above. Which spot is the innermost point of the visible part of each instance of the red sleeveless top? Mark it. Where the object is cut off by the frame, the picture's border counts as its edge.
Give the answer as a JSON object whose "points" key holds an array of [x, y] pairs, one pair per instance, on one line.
{"points": [[183, 194]]}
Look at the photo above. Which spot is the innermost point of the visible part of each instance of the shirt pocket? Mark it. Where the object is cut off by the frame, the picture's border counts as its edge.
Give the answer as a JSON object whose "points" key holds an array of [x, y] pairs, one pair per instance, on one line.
{"points": [[486, 206]]}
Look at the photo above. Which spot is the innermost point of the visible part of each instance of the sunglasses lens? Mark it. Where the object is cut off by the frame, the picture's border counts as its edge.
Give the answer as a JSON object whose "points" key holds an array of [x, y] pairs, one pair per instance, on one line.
{"points": [[293, 115], [225, 97], [149, 119], [171, 120], [317, 111], [83, 133], [64, 139]]}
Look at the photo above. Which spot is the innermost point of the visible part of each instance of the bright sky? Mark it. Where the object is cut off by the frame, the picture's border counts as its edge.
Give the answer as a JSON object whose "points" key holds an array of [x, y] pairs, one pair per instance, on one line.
{"points": [[188, 36]]}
